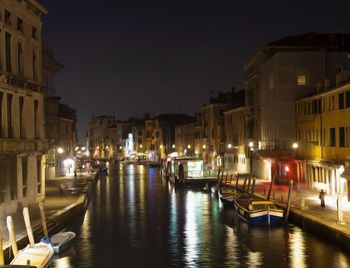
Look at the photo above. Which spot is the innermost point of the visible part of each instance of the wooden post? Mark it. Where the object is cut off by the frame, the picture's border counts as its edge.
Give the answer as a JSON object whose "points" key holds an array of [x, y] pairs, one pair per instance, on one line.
{"points": [[288, 202], [226, 178], [43, 219], [231, 177], [272, 182], [12, 235], [253, 186], [237, 181], [28, 226], [1, 251], [245, 182], [249, 181], [222, 178]]}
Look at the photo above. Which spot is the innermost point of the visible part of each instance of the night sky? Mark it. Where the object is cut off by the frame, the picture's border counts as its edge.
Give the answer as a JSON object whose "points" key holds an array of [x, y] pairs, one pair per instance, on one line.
{"points": [[134, 56]]}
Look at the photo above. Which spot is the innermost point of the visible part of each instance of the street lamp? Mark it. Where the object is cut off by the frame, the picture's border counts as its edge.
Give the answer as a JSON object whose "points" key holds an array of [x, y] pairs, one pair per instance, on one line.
{"points": [[229, 146], [295, 145], [173, 146], [189, 146], [60, 150], [204, 146]]}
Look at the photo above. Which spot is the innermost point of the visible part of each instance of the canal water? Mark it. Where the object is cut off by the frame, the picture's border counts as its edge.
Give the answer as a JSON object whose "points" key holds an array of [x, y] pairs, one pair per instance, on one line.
{"points": [[136, 219]]}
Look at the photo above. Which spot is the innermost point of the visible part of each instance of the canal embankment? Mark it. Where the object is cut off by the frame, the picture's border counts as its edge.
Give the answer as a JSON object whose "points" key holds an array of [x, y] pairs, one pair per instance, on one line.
{"points": [[66, 201]]}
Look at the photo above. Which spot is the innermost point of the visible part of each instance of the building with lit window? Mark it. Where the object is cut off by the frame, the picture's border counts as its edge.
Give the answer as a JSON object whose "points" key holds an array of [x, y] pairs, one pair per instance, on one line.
{"points": [[282, 72], [235, 149], [184, 140], [323, 136], [22, 133], [102, 137]]}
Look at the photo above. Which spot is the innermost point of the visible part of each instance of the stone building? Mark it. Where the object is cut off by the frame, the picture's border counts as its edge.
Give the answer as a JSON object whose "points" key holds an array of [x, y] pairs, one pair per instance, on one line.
{"points": [[101, 131], [22, 134], [280, 73], [184, 140], [235, 149]]}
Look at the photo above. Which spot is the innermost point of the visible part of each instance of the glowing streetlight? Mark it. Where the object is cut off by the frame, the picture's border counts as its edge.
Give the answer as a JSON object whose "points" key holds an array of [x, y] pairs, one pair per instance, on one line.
{"points": [[295, 145], [251, 144], [60, 150], [204, 146], [189, 146], [229, 146], [141, 146], [173, 146]]}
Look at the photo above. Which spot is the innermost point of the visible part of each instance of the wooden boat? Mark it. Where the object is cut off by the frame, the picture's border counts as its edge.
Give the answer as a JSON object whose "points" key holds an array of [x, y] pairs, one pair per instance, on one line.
{"points": [[39, 255], [227, 201], [257, 211], [189, 171], [62, 241]]}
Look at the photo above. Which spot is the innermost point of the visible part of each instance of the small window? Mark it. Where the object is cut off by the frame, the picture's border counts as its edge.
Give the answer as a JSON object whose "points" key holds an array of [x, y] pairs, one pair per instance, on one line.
{"points": [[19, 24], [301, 80], [341, 101], [7, 17], [342, 137], [34, 32], [332, 137], [347, 99]]}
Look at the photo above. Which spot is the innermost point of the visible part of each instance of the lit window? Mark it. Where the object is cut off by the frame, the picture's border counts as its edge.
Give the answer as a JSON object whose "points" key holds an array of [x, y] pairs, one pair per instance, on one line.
{"points": [[301, 79]]}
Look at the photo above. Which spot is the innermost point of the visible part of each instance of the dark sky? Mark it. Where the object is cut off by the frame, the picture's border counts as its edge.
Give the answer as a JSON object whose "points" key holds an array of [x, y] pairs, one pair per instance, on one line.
{"points": [[134, 56]]}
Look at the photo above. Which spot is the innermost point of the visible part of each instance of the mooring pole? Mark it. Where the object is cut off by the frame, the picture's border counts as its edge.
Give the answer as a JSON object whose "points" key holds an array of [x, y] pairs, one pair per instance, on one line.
{"points": [[1, 250], [253, 186], [28, 226], [237, 181], [272, 182], [12, 235], [43, 219], [249, 181], [288, 202], [245, 182]]}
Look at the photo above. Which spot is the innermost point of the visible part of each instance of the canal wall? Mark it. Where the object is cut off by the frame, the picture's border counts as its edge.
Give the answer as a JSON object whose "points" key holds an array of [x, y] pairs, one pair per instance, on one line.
{"points": [[57, 221]]}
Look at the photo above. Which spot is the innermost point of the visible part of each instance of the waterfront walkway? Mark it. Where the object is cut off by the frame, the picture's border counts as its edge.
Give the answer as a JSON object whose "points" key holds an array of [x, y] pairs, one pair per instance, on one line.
{"points": [[60, 194]]}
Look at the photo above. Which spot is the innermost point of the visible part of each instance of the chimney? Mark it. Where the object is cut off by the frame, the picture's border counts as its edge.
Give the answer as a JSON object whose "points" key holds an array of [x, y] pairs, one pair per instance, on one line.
{"points": [[338, 79], [326, 84], [318, 87]]}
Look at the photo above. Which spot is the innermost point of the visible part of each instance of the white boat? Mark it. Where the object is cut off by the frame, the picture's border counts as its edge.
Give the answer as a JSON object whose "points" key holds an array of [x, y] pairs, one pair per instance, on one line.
{"points": [[62, 241], [38, 255]]}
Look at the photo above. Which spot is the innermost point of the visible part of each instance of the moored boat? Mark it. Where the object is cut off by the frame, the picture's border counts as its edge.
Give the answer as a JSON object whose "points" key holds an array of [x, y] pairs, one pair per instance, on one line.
{"points": [[257, 211], [227, 201], [37, 255], [62, 241]]}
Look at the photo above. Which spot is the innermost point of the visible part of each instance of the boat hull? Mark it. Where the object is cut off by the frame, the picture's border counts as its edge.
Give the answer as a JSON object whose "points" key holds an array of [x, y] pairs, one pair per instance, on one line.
{"points": [[265, 216], [38, 255], [226, 202], [62, 241]]}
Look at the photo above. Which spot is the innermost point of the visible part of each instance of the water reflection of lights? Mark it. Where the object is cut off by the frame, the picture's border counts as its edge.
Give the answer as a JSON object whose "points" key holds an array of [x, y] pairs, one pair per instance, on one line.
{"points": [[231, 245], [297, 249], [63, 263], [173, 230], [191, 227], [255, 259]]}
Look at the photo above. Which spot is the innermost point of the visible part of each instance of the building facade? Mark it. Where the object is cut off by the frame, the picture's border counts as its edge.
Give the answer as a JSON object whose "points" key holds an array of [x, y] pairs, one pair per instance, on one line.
{"points": [[22, 134], [235, 149], [281, 73], [98, 137], [323, 134], [184, 140]]}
